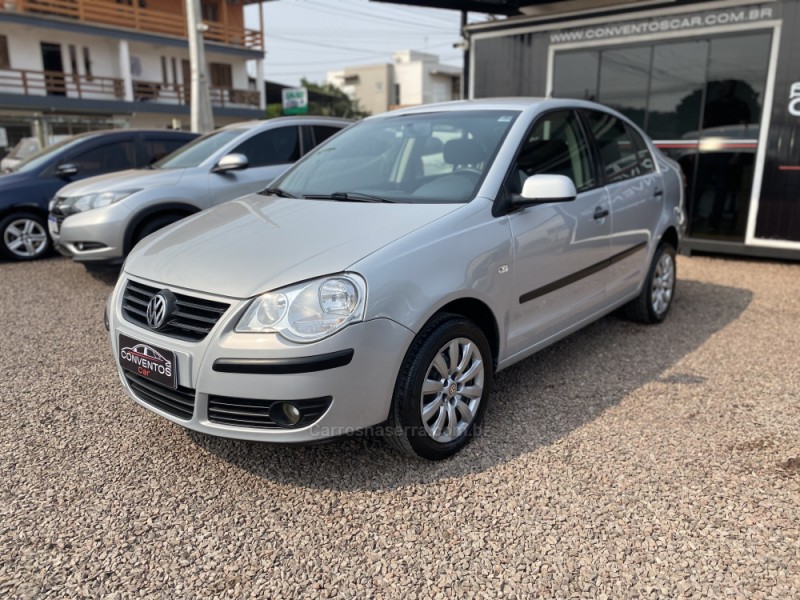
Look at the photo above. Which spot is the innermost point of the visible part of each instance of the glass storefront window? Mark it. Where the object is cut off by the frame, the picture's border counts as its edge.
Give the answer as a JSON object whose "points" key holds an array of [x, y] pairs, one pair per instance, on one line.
{"points": [[676, 89], [575, 75], [624, 77]]}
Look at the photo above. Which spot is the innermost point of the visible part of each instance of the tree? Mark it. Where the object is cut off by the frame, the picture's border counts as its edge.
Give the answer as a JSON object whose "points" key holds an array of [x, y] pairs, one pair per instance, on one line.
{"points": [[328, 100]]}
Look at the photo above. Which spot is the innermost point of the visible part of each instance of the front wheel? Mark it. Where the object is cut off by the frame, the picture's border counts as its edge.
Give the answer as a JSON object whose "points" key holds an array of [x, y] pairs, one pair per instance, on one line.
{"points": [[442, 389], [655, 299], [24, 237]]}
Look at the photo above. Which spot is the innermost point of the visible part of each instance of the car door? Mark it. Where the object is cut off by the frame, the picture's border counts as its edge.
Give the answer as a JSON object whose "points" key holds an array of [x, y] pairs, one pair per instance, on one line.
{"points": [[98, 157], [269, 153], [559, 248], [635, 194]]}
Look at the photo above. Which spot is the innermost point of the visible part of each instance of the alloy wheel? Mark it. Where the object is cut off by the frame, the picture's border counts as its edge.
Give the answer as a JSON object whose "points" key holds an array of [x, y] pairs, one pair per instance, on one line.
{"points": [[663, 284], [25, 238], [452, 390]]}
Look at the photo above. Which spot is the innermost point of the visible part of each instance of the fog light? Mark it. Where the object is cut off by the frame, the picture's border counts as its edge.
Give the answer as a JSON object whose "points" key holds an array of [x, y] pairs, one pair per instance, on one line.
{"points": [[285, 414]]}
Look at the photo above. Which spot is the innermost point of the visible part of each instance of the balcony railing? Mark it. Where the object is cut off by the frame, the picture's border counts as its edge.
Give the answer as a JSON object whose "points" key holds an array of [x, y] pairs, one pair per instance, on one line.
{"points": [[110, 12], [55, 83]]}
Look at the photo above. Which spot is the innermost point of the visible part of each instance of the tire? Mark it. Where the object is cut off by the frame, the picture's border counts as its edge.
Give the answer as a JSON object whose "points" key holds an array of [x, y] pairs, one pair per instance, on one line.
{"points": [[654, 301], [152, 225], [23, 236], [446, 427]]}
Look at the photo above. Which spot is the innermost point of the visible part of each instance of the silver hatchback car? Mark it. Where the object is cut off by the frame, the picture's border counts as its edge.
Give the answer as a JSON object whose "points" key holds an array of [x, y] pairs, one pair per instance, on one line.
{"points": [[98, 220], [388, 275]]}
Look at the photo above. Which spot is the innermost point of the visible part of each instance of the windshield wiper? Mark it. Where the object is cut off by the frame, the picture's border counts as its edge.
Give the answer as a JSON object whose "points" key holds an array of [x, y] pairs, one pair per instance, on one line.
{"points": [[347, 197], [276, 192]]}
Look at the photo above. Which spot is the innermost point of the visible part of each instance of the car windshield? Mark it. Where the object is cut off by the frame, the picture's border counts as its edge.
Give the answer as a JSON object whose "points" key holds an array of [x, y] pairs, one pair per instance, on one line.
{"points": [[437, 157], [41, 158], [198, 150]]}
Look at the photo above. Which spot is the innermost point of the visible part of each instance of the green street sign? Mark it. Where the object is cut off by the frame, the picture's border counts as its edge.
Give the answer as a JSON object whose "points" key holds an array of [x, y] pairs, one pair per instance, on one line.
{"points": [[295, 101]]}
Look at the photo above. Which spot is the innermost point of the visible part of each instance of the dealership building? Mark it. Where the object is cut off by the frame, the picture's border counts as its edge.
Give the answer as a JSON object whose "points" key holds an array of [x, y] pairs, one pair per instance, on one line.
{"points": [[716, 85]]}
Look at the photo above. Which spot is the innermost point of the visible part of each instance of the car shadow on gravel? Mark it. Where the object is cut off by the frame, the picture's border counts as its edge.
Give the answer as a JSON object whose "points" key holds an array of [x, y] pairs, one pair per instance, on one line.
{"points": [[534, 403]]}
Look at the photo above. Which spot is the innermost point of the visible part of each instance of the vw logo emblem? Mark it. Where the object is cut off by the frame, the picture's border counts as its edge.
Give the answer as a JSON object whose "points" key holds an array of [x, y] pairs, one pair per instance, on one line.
{"points": [[159, 308]]}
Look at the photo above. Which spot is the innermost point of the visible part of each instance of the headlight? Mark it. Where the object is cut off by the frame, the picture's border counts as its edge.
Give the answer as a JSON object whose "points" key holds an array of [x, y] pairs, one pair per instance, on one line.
{"points": [[78, 204], [308, 311]]}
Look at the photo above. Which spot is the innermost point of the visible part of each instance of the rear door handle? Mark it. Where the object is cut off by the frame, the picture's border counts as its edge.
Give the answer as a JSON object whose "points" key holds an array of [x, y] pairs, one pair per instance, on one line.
{"points": [[600, 213]]}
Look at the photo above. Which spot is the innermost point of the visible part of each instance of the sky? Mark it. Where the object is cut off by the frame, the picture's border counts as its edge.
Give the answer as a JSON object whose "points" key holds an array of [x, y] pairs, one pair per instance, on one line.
{"points": [[308, 38]]}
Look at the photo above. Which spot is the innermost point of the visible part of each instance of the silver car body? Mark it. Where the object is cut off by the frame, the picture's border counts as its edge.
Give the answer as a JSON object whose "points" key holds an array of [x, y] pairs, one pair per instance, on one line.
{"points": [[103, 235], [416, 260]]}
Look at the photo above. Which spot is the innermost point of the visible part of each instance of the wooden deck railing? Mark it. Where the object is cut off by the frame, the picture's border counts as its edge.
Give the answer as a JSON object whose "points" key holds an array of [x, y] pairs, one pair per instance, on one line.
{"points": [[55, 83], [109, 12]]}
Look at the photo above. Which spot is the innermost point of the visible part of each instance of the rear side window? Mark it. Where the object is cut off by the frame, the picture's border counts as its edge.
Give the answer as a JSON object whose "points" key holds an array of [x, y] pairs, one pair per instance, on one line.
{"points": [[157, 148], [115, 156], [272, 147], [618, 152], [646, 162]]}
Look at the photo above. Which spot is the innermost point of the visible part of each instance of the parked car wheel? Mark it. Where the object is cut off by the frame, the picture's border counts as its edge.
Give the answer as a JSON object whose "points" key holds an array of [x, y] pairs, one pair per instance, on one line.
{"points": [[655, 299], [442, 389], [24, 236]]}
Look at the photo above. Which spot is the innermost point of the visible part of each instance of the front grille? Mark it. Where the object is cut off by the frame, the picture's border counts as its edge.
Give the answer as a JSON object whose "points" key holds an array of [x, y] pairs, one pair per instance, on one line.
{"points": [[179, 403], [192, 320], [245, 412]]}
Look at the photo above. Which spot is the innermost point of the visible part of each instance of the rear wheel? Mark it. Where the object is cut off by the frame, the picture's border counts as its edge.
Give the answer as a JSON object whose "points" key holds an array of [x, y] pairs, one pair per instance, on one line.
{"points": [[442, 389], [655, 299], [24, 236]]}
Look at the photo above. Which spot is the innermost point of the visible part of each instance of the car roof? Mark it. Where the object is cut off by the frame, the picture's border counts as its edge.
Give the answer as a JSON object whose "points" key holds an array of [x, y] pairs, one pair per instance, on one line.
{"points": [[280, 121]]}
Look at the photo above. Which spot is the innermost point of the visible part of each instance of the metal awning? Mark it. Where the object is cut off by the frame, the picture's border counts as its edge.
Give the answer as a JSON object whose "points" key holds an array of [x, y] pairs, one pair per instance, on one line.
{"points": [[496, 7]]}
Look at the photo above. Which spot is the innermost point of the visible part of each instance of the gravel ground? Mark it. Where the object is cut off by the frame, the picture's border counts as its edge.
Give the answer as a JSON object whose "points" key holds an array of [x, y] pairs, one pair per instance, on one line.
{"points": [[625, 461]]}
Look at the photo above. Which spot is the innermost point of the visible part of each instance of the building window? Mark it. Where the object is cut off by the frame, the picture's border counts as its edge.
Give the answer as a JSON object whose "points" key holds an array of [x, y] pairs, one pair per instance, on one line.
{"points": [[164, 72], [87, 64], [174, 70], [221, 75], [5, 63], [209, 11]]}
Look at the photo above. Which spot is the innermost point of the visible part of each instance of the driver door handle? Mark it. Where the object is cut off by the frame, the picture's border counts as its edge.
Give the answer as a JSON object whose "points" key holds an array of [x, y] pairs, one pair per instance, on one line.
{"points": [[600, 213]]}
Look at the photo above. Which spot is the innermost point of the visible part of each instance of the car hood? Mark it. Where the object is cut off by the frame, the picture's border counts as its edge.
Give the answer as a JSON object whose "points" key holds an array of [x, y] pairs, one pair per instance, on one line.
{"points": [[255, 243], [123, 180], [13, 181]]}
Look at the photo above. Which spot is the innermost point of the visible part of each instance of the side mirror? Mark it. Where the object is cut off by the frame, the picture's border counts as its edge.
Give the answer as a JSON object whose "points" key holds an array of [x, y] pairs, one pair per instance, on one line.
{"points": [[66, 170], [231, 162], [541, 189]]}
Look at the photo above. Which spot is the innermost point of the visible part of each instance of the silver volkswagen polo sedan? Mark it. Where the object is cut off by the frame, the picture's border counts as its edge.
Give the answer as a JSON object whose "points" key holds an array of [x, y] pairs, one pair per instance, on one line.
{"points": [[383, 280]]}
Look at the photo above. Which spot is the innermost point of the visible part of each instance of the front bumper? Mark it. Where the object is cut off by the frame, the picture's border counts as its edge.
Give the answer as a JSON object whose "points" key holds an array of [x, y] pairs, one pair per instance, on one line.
{"points": [[359, 389], [93, 236]]}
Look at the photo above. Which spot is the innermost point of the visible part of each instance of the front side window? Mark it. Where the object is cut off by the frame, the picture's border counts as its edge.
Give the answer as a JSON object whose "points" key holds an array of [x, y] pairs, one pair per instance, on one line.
{"points": [[273, 147], [618, 152], [437, 157], [107, 158], [555, 145]]}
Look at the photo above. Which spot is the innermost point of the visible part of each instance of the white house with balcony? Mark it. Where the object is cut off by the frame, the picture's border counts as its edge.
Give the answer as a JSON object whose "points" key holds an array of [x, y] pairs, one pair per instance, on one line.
{"points": [[72, 65], [412, 78]]}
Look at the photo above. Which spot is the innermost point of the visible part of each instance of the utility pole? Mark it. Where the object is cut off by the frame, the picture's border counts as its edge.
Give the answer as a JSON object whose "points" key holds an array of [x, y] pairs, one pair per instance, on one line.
{"points": [[202, 117]]}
